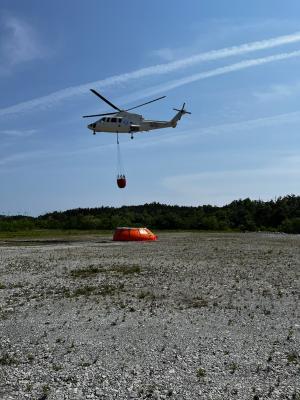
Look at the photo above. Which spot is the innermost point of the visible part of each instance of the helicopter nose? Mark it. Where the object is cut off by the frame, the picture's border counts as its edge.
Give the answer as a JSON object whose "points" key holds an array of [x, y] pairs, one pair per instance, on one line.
{"points": [[91, 126]]}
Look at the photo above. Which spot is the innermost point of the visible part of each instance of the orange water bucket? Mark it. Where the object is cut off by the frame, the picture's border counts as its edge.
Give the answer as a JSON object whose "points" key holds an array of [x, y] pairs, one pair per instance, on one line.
{"points": [[121, 181], [133, 234]]}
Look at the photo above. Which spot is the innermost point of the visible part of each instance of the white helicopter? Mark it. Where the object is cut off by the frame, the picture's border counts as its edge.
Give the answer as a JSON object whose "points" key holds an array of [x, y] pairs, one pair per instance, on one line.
{"points": [[121, 121]]}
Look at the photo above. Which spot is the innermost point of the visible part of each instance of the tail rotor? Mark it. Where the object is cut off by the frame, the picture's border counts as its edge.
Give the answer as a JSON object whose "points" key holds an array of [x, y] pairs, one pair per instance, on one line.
{"points": [[182, 110], [178, 116]]}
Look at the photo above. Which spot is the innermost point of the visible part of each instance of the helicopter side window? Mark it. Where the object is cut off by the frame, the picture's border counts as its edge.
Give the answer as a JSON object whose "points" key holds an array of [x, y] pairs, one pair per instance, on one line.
{"points": [[119, 120], [114, 120], [107, 119]]}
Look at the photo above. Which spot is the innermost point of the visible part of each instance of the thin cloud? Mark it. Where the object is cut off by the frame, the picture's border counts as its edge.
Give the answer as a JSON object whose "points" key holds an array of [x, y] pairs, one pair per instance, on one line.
{"points": [[53, 98], [278, 92], [24, 156], [165, 54], [20, 157], [18, 133], [19, 43]]}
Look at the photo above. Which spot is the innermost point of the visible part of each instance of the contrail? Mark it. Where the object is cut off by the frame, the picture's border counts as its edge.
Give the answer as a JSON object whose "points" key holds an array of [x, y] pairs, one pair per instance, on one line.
{"points": [[219, 71], [51, 99]]}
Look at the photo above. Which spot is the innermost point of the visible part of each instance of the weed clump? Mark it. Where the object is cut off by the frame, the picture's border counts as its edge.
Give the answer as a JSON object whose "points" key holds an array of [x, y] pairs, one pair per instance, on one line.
{"points": [[85, 272], [83, 291], [201, 373], [6, 359], [292, 358], [232, 367], [197, 302], [146, 294], [127, 270], [103, 290]]}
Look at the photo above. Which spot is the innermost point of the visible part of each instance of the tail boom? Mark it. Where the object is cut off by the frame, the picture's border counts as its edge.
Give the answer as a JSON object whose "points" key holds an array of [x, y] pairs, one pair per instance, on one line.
{"points": [[178, 116]]}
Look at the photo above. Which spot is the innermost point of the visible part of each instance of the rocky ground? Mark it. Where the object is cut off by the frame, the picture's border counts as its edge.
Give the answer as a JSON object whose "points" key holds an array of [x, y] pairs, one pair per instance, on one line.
{"points": [[191, 316]]}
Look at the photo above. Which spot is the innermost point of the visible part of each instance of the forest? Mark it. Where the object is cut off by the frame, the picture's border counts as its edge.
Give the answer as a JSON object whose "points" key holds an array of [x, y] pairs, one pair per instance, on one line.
{"points": [[280, 215]]}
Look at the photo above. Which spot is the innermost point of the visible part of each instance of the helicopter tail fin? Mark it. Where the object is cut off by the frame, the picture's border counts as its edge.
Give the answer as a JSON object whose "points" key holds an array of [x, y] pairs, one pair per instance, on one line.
{"points": [[179, 114]]}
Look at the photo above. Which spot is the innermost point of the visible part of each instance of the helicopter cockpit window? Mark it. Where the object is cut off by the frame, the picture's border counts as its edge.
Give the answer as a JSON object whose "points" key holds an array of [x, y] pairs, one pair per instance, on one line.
{"points": [[114, 120], [107, 119]]}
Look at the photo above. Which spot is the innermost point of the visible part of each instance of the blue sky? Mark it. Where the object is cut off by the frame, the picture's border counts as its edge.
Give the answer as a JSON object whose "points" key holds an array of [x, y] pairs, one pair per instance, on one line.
{"points": [[236, 65]]}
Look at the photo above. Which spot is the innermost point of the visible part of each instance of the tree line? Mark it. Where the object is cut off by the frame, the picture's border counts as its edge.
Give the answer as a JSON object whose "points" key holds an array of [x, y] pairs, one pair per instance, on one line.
{"points": [[282, 214]]}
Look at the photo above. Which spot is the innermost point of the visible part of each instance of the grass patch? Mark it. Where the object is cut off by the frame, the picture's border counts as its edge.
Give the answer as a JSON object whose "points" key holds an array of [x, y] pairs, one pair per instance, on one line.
{"points": [[201, 373], [196, 302], [84, 291], [57, 367], [232, 367], [46, 390], [85, 272], [2, 286], [127, 270], [292, 358], [104, 290], [5, 359], [146, 294], [93, 270], [109, 290], [52, 233]]}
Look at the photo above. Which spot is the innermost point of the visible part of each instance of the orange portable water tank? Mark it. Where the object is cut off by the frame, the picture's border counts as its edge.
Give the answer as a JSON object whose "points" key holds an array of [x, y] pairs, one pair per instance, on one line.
{"points": [[133, 234], [121, 181]]}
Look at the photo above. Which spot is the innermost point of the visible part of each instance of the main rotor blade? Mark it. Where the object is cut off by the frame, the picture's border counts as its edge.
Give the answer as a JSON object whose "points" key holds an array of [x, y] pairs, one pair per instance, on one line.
{"points": [[104, 99], [148, 102], [98, 115]]}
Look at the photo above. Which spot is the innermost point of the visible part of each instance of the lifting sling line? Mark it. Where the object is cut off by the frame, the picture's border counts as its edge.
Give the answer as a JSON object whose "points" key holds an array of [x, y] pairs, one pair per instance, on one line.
{"points": [[120, 169]]}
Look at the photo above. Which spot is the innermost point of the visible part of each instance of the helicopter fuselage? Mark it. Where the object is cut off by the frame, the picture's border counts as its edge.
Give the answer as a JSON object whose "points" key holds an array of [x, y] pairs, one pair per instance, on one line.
{"points": [[124, 122]]}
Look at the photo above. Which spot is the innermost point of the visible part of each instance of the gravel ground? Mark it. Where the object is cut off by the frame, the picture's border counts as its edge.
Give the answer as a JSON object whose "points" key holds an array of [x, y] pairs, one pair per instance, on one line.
{"points": [[191, 316]]}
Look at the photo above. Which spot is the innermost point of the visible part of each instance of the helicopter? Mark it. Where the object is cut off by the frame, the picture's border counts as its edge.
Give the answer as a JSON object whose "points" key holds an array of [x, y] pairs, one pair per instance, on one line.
{"points": [[122, 121]]}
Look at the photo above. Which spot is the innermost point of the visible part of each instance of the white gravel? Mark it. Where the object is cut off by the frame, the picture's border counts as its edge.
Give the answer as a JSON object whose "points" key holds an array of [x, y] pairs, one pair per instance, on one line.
{"points": [[192, 316]]}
